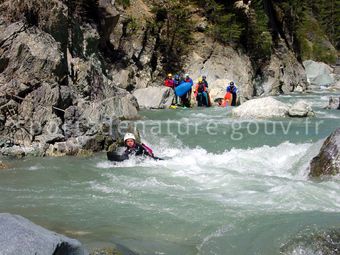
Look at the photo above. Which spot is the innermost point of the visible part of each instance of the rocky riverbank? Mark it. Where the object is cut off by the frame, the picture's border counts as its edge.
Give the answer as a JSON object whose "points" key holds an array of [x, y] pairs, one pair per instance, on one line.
{"points": [[67, 70]]}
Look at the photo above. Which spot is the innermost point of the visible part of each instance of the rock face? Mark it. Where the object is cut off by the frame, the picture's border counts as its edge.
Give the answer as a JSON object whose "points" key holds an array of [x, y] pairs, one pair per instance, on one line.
{"points": [[267, 107], [318, 73], [221, 64], [154, 97], [327, 162], [54, 85], [20, 236], [301, 109], [284, 74]]}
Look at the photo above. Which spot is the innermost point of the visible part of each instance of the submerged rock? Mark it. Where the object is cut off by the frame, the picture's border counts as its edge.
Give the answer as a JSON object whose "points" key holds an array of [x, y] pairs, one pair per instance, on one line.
{"points": [[154, 97], [21, 236], [118, 250], [3, 165], [317, 242], [267, 107], [333, 103], [327, 162]]}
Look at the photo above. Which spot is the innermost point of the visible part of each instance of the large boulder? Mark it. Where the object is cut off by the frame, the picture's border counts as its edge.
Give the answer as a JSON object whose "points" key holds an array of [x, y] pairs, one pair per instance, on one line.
{"points": [[266, 107], [327, 162], [318, 73], [154, 97], [21, 236], [300, 109]]}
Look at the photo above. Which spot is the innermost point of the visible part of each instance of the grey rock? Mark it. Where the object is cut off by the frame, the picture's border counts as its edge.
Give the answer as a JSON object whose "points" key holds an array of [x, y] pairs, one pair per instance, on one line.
{"points": [[327, 162], [284, 74], [33, 56], [122, 106], [154, 97], [263, 108], [49, 138], [15, 151], [21, 236], [301, 109], [69, 148], [318, 73], [333, 103]]}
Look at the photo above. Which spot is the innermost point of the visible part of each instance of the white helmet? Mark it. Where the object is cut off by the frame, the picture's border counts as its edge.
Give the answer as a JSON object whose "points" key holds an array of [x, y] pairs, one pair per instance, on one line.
{"points": [[186, 75], [129, 136]]}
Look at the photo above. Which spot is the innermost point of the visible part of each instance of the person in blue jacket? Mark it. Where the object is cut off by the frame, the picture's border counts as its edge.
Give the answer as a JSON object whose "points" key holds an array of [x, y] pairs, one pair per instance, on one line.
{"points": [[233, 90], [177, 82]]}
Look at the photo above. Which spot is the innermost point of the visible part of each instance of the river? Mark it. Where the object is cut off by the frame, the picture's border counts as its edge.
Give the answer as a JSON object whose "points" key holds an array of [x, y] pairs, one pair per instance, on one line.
{"points": [[226, 187]]}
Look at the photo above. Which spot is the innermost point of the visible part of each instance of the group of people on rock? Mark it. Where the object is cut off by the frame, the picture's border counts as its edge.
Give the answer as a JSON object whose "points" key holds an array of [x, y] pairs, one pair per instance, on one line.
{"points": [[201, 91]]}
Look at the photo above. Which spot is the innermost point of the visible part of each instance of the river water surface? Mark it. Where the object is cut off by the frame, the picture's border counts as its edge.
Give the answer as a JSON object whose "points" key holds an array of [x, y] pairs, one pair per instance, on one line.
{"points": [[226, 187]]}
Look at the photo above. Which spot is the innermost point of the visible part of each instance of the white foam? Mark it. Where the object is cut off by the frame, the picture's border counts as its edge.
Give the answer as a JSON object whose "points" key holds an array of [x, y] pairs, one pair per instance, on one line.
{"points": [[265, 160]]}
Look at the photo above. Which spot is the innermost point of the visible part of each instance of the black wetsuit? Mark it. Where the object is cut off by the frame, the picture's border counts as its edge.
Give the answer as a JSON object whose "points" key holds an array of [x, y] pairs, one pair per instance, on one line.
{"points": [[137, 150]]}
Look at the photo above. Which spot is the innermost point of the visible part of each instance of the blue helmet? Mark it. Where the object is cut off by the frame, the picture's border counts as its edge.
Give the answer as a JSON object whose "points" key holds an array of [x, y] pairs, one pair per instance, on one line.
{"points": [[176, 76]]}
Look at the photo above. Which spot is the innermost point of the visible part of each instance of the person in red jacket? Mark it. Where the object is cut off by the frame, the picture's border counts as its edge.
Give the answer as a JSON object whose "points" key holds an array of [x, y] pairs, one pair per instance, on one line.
{"points": [[169, 82]]}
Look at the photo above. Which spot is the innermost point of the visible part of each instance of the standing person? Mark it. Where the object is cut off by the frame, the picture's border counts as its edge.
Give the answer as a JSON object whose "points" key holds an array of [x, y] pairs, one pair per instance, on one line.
{"points": [[188, 79], [169, 82], [233, 90], [181, 78], [177, 82], [204, 78], [185, 99], [201, 93]]}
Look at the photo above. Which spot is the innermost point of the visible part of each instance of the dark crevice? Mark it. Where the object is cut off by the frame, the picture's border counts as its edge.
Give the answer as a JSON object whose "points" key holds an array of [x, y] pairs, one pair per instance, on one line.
{"points": [[3, 64], [144, 42], [63, 248], [210, 54], [30, 89], [32, 17], [137, 62], [130, 88], [154, 56], [276, 27]]}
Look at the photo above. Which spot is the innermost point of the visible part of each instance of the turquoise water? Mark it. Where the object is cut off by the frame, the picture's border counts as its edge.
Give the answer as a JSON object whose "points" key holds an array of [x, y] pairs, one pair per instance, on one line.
{"points": [[223, 190]]}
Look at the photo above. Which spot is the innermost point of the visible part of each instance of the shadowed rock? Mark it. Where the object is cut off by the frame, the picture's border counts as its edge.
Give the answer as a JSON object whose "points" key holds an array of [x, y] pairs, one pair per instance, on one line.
{"points": [[327, 162]]}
